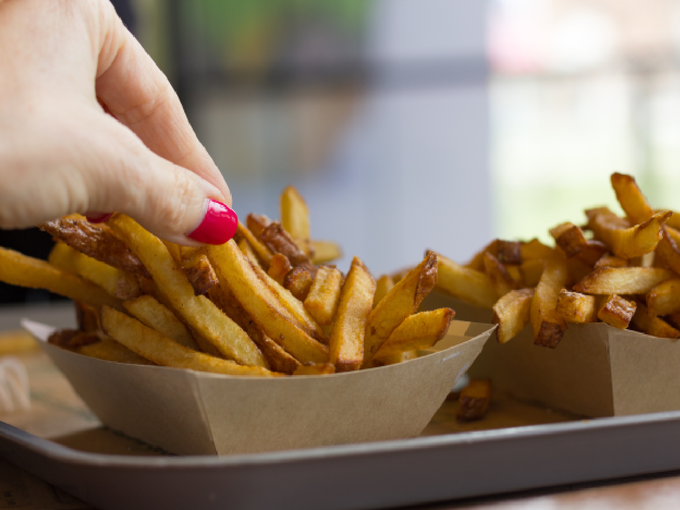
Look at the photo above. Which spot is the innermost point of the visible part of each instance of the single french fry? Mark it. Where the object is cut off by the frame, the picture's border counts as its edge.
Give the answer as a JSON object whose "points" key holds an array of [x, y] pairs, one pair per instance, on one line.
{"points": [[298, 281], [465, 283], [279, 267], [197, 267], [264, 254], [623, 280], [349, 329], [576, 307], [509, 252], [512, 312], [295, 217], [156, 316], [531, 270], [632, 201], [256, 295], [635, 241], [154, 346], [279, 241], [324, 252], [664, 299], [116, 282], [477, 261], [400, 302], [315, 369], [592, 252], [178, 252], [570, 238], [19, 269], [535, 249], [515, 273], [382, 286], [616, 311], [249, 252], [474, 400], [501, 280], [418, 331], [277, 358], [198, 312], [610, 261], [324, 295], [652, 325], [548, 327], [110, 350], [96, 241]]}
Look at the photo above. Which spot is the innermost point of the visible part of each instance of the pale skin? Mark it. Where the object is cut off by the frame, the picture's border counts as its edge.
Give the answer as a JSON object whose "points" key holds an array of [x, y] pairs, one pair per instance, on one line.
{"points": [[62, 62]]}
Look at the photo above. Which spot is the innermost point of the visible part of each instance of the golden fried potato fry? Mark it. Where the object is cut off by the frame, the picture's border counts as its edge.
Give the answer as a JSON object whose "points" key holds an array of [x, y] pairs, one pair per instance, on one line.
{"points": [[576, 307], [19, 269], [474, 400], [652, 325], [400, 302], [570, 238], [315, 369], [349, 328], [623, 280], [501, 280], [611, 261], [477, 261], [592, 252], [279, 241], [116, 282], [248, 251], [324, 252], [548, 327], [616, 311], [279, 267], [154, 346], [531, 270], [295, 218], [630, 197], [96, 241], [198, 312], [156, 316], [382, 286], [200, 273], [465, 283], [255, 293], [110, 350], [324, 295], [630, 242], [418, 331], [177, 251], [512, 312], [535, 249], [509, 252], [264, 254], [298, 281], [664, 299]]}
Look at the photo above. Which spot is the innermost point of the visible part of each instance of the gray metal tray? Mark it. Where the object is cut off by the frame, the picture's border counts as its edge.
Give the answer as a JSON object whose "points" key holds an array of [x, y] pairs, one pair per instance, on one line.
{"points": [[363, 476]]}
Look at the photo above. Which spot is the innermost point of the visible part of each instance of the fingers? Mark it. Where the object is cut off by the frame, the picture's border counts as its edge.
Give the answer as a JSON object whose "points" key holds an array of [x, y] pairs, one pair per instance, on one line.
{"points": [[139, 95], [54, 176]]}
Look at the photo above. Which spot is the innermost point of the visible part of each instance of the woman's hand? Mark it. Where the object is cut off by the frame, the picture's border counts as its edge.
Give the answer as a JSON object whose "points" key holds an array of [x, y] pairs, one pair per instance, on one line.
{"points": [[63, 65]]}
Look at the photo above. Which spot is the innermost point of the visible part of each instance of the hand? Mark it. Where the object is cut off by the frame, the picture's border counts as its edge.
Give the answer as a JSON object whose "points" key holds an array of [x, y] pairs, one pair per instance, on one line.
{"points": [[63, 65]]}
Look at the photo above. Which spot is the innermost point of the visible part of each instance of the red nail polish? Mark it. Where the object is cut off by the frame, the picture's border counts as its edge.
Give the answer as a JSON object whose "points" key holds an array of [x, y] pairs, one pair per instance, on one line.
{"points": [[218, 225], [98, 218]]}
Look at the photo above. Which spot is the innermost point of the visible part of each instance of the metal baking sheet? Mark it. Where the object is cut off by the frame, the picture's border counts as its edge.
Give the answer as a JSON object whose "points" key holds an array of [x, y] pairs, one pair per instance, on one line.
{"points": [[373, 475], [440, 466]]}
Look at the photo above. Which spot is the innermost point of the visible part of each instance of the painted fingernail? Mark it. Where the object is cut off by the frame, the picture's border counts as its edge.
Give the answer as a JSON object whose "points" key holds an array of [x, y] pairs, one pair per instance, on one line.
{"points": [[218, 225], [98, 218]]}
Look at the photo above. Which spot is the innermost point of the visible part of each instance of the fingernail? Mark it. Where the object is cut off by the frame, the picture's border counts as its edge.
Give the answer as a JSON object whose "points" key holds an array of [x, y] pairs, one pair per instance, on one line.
{"points": [[98, 218], [218, 225]]}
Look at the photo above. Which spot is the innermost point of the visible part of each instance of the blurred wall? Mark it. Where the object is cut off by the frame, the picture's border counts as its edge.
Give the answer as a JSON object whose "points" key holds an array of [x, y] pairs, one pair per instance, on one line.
{"points": [[384, 132]]}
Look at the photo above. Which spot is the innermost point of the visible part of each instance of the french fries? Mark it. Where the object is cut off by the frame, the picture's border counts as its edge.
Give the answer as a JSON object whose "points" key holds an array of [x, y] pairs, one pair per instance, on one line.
{"points": [[474, 400], [356, 301], [259, 305], [624, 271]]}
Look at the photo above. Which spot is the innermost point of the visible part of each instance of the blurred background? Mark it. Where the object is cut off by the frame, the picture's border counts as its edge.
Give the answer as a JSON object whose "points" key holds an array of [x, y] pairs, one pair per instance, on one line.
{"points": [[425, 124]]}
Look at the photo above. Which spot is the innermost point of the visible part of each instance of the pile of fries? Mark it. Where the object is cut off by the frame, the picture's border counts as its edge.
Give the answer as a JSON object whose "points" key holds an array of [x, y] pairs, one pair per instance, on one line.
{"points": [[262, 304], [624, 271]]}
